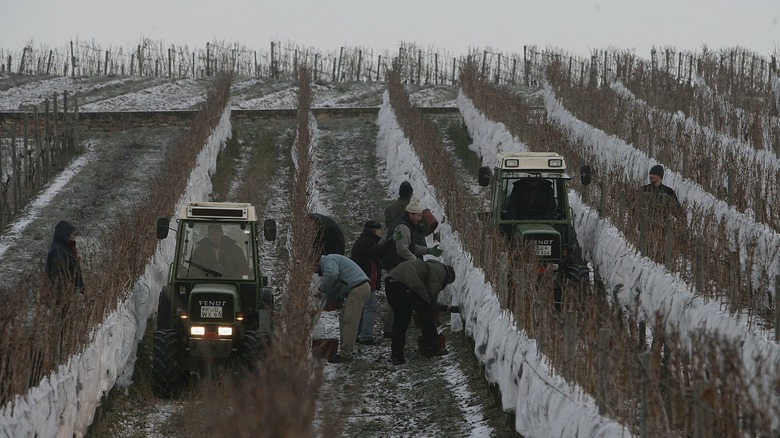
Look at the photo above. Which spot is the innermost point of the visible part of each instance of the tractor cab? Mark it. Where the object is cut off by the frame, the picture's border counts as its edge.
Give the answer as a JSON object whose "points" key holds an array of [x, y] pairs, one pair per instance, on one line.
{"points": [[530, 204], [217, 305]]}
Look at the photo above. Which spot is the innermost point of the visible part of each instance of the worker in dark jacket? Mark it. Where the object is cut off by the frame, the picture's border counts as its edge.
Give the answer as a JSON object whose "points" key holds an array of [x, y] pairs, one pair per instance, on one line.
{"points": [[414, 285], [367, 251], [397, 208], [405, 248], [401, 232], [62, 262], [663, 195], [329, 238]]}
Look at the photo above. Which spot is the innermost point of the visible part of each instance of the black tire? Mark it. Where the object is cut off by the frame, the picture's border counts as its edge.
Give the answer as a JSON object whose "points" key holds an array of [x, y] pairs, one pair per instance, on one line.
{"points": [[168, 377], [164, 310], [253, 349]]}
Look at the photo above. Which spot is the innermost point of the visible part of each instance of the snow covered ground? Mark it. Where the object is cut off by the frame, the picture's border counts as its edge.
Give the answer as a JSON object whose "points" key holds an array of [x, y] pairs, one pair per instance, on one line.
{"points": [[64, 402], [544, 404]]}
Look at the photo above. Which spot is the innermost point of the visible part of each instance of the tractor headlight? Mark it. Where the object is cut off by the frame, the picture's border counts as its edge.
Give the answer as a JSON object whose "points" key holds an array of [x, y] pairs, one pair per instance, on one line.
{"points": [[197, 331], [225, 331], [554, 162]]}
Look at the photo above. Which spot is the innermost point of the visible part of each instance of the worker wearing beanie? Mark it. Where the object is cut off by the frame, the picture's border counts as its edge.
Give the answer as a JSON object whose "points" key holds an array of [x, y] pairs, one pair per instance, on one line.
{"points": [[663, 193], [405, 247], [397, 208]]}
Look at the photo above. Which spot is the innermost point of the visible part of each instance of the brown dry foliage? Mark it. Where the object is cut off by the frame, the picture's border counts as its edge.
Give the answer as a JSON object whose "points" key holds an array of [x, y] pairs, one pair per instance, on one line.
{"points": [[612, 361], [37, 336], [700, 155], [646, 390], [279, 399]]}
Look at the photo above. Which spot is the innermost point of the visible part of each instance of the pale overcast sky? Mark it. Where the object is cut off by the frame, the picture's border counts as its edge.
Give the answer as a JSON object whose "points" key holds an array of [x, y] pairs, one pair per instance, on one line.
{"points": [[452, 25]]}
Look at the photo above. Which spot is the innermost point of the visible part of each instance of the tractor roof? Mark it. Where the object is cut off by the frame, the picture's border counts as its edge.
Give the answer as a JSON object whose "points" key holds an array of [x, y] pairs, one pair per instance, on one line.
{"points": [[227, 211], [531, 161]]}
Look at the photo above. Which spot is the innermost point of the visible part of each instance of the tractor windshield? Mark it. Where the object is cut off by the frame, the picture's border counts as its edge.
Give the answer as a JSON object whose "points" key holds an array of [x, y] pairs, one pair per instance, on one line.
{"points": [[530, 198], [219, 250]]}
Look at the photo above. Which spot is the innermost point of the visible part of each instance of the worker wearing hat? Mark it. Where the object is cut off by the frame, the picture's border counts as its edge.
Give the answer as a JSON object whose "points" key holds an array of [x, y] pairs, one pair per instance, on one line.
{"points": [[401, 231], [405, 247], [663, 193]]}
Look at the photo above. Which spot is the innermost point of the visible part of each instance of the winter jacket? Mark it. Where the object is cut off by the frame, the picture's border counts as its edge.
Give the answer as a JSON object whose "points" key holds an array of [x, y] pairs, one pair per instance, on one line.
{"points": [[425, 278], [405, 248], [62, 263], [330, 238], [339, 275], [367, 251], [396, 209], [666, 197]]}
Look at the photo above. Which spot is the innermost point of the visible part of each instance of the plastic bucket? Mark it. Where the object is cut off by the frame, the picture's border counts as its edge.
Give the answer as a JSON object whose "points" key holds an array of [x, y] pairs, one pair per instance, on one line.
{"points": [[436, 319], [440, 342], [324, 348]]}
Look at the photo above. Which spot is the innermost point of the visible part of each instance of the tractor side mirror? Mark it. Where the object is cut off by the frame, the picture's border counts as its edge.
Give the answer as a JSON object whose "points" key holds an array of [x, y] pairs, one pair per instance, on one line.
{"points": [[269, 229], [163, 225], [484, 176], [585, 175]]}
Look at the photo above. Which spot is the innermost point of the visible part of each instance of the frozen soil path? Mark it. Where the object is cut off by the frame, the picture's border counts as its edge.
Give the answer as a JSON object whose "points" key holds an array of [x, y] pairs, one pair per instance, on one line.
{"points": [[96, 189], [255, 166], [445, 396]]}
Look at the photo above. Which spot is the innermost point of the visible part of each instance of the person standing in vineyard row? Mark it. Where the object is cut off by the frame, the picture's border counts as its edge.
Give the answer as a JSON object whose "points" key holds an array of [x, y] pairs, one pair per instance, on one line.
{"points": [[367, 251], [397, 208], [663, 194], [405, 248], [63, 267]]}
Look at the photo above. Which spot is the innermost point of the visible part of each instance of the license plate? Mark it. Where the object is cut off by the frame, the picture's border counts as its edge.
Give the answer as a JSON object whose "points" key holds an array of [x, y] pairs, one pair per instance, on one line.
{"points": [[211, 311], [543, 250]]}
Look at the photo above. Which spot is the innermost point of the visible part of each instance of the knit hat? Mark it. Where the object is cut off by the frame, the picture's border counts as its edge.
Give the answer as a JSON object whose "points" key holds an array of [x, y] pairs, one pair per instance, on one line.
{"points": [[415, 206], [657, 170], [372, 225], [405, 190]]}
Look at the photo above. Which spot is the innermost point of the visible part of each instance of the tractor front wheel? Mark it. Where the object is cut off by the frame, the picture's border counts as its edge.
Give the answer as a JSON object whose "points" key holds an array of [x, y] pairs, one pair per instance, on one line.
{"points": [[168, 377]]}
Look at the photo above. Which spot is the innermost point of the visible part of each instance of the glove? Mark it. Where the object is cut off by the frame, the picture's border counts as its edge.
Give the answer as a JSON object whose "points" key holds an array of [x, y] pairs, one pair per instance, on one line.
{"points": [[435, 251], [397, 235]]}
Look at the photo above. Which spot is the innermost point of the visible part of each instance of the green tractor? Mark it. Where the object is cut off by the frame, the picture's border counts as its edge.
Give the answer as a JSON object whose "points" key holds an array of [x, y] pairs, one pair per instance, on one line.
{"points": [[530, 205], [217, 307]]}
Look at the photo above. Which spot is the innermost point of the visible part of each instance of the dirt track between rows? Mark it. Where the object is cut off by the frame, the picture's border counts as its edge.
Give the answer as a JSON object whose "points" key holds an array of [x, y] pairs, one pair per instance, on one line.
{"points": [[419, 398]]}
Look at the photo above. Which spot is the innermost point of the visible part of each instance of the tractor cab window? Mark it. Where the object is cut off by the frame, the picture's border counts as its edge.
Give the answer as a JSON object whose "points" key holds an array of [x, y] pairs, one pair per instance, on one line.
{"points": [[216, 250], [530, 198]]}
